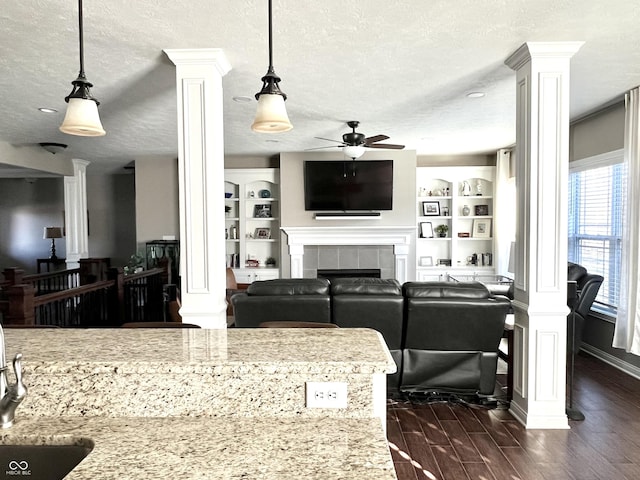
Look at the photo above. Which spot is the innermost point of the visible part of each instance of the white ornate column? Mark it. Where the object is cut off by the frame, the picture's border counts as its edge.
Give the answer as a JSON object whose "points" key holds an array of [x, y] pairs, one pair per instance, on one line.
{"points": [[401, 261], [542, 150], [75, 214], [296, 252], [199, 75]]}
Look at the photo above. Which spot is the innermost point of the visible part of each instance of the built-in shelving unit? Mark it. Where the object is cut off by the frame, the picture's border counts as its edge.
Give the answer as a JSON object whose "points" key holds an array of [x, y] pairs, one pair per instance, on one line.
{"points": [[252, 223], [461, 200]]}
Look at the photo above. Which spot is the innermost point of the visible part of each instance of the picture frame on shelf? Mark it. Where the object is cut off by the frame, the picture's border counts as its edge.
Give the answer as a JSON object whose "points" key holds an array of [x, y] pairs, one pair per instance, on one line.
{"points": [[426, 261], [426, 230], [482, 228], [262, 211], [444, 262], [431, 209], [481, 210], [263, 233]]}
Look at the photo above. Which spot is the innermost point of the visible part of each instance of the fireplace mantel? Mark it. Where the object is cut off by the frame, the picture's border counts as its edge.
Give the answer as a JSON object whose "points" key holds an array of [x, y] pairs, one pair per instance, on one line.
{"points": [[400, 237]]}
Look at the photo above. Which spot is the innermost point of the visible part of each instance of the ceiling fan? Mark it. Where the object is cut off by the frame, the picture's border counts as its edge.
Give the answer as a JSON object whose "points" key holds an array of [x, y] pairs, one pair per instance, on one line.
{"points": [[354, 143]]}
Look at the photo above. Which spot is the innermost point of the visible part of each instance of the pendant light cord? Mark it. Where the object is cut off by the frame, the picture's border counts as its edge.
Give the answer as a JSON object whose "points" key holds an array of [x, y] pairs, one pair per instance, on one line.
{"points": [[81, 36], [270, 39]]}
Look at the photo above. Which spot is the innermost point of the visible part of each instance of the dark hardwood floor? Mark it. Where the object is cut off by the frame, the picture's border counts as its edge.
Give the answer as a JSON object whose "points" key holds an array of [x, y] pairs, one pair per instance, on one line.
{"points": [[448, 441]]}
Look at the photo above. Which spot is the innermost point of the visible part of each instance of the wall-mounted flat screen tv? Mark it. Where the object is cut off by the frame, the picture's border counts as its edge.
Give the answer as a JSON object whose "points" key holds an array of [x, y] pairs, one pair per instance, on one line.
{"points": [[352, 185]]}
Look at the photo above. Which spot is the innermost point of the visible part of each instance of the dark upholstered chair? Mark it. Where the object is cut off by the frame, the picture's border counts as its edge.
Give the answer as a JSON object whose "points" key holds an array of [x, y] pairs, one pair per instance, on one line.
{"points": [[451, 339], [372, 303], [588, 286], [297, 299]]}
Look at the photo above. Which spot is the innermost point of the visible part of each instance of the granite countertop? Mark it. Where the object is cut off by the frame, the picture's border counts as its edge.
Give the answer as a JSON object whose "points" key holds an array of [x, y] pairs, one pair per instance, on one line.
{"points": [[188, 403], [257, 350], [217, 448]]}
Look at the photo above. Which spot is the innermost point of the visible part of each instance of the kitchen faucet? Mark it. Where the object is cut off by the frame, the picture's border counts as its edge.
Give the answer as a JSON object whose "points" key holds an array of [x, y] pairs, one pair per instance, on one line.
{"points": [[10, 395]]}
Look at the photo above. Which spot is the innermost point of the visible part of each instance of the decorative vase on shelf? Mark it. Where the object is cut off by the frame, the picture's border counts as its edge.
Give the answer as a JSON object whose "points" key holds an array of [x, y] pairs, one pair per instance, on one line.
{"points": [[466, 210]]}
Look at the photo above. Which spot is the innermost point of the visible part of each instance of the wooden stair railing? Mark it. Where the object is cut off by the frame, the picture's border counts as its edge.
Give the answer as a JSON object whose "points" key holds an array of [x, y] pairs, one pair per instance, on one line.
{"points": [[108, 303]]}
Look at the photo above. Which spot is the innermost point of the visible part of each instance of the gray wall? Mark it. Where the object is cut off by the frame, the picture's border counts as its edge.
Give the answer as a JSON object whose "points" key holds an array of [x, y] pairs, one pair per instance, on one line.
{"points": [[112, 217], [597, 134], [25, 208], [157, 209], [293, 213]]}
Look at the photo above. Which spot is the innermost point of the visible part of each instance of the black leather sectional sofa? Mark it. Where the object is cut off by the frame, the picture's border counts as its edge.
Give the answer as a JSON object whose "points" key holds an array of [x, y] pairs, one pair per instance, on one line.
{"points": [[443, 336]]}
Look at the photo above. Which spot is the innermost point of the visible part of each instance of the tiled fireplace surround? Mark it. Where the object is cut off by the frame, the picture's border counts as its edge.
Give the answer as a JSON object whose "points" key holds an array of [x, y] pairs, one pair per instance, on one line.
{"points": [[386, 248]]}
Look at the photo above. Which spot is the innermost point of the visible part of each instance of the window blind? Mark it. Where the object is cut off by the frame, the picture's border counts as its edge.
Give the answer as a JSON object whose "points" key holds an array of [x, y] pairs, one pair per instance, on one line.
{"points": [[596, 207]]}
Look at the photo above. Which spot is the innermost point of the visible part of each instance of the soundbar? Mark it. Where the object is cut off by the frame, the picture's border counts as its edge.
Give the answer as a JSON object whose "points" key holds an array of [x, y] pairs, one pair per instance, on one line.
{"points": [[346, 215]]}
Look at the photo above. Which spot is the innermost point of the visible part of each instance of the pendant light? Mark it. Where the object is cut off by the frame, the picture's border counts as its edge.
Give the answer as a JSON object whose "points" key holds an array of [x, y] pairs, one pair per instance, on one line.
{"points": [[82, 112], [271, 115]]}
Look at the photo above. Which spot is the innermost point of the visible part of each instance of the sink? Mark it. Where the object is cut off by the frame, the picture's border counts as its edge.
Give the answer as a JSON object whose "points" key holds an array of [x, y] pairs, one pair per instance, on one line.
{"points": [[50, 461]]}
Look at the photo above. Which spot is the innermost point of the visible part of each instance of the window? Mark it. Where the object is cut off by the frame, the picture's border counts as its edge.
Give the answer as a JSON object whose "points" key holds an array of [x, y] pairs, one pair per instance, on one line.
{"points": [[597, 197]]}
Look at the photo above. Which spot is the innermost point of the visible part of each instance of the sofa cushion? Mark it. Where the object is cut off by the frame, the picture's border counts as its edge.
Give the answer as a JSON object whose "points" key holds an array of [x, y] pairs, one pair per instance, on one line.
{"points": [[470, 290], [291, 286], [365, 286]]}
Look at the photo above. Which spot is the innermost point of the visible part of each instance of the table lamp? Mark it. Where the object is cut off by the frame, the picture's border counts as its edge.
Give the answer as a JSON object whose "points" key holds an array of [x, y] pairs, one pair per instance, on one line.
{"points": [[52, 233]]}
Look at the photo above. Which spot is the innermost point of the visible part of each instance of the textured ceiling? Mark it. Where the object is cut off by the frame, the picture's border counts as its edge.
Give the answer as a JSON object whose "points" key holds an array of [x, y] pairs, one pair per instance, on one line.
{"points": [[403, 68]]}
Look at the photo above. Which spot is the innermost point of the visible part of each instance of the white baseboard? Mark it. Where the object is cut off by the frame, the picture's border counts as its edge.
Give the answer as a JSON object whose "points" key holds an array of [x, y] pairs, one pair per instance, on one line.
{"points": [[616, 362]]}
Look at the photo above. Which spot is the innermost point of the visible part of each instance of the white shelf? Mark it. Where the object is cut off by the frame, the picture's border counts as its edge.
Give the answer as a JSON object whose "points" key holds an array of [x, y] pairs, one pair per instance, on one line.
{"points": [[240, 182], [455, 249]]}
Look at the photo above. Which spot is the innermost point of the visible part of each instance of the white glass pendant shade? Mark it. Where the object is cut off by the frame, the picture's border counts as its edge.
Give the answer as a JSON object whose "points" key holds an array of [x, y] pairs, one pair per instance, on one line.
{"points": [[271, 115], [82, 119], [353, 151]]}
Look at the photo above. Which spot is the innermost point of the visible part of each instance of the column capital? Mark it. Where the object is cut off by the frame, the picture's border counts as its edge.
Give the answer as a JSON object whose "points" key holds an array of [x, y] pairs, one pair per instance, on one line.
{"points": [[530, 50], [200, 56]]}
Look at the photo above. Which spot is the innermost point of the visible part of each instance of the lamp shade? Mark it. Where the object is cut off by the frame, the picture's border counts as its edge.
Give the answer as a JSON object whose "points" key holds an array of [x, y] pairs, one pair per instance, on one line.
{"points": [[82, 118], [271, 115], [52, 232], [353, 151]]}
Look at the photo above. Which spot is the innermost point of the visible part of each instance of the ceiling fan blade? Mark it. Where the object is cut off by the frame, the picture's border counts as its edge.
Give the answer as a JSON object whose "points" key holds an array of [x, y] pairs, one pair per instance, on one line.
{"points": [[390, 146], [375, 138], [329, 140], [322, 148]]}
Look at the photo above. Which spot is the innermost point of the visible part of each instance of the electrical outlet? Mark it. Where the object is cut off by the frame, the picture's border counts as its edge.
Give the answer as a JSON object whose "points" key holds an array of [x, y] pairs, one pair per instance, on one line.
{"points": [[326, 394]]}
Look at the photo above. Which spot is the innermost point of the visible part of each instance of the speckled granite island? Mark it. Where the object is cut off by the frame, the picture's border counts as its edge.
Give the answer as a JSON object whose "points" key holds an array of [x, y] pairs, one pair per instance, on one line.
{"points": [[206, 404]]}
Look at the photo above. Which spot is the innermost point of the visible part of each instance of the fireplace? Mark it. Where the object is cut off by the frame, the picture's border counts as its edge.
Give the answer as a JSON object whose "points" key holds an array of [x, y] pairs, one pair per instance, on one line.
{"points": [[400, 238], [333, 273]]}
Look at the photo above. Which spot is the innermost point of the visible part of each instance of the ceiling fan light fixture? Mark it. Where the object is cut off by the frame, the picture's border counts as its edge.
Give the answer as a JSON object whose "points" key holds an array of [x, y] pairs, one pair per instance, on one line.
{"points": [[82, 116], [353, 151], [271, 114], [52, 147]]}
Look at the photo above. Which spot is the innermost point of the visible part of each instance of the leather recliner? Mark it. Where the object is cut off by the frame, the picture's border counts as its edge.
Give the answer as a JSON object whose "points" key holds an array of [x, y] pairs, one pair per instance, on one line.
{"points": [[372, 303], [298, 299], [588, 285], [451, 338]]}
